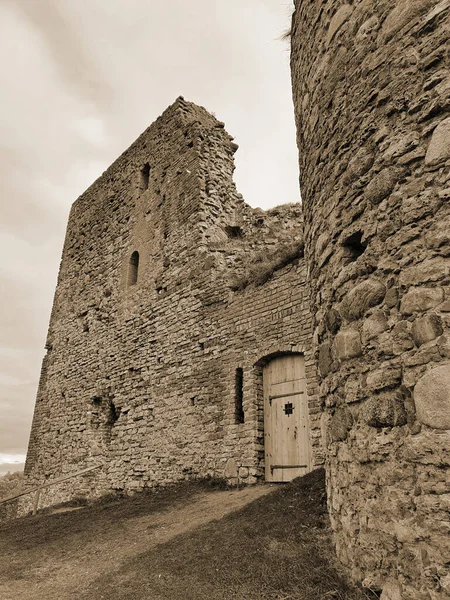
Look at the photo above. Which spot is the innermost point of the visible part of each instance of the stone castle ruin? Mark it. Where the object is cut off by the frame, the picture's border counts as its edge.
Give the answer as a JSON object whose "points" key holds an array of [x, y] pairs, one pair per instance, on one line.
{"points": [[187, 327], [175, 302]]}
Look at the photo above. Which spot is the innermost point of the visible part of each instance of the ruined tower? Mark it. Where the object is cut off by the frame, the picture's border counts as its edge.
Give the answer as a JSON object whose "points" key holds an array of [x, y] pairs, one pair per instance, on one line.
{"points": [[371, 88], [173, 299]]}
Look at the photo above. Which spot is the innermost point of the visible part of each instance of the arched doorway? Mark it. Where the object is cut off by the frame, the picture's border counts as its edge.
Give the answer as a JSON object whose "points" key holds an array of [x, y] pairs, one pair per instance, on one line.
{"points": [[286, 429]]}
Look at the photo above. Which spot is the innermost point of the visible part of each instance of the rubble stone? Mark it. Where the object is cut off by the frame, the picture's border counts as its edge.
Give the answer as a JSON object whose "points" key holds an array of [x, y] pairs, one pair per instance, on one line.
{"points": [[366, 294], [432, 397], [439, 148], [340, 424], [381, 185], [427, 328], [385, 410], [421, 299], [347, 344]]}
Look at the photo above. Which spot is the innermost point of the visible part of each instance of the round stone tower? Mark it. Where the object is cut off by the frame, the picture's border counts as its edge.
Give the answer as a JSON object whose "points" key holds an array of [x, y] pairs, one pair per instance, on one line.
{"points": [[371, 87]]}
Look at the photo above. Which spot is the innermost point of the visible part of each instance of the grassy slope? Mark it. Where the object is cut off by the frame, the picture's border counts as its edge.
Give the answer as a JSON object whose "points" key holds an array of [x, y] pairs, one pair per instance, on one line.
{"points": [[277, 547]]}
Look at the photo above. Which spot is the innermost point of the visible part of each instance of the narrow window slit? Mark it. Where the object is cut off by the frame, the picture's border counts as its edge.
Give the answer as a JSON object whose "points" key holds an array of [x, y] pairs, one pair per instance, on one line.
{"points": [[239, 396], [133, 268], [145, 175]]}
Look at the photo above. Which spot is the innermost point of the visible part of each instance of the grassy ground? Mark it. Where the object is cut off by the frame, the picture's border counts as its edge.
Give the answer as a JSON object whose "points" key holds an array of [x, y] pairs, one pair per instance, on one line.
{"points": [[183, 543]]}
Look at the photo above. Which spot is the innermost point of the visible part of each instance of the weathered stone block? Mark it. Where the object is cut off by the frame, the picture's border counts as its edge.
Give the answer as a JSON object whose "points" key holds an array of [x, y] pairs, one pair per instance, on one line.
{"points": [[385, 377], [404, 12], [385, 410], [359, 164], [401, 145], [391, 591], [382, 185], [391, 297], [367, 29], [352, 391], [363, 296], [340, 424], [374, 325], [347, 344], [438, 237], [434, 269], [325, 359], [445, 307], [420, 299], [333, 321], [243, 472], [439, 148], [427, 328], [432, 397], [443, 345], [340, 17]]}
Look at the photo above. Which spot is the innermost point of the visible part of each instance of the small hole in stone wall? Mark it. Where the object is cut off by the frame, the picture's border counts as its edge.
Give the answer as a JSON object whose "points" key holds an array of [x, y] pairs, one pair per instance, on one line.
{"points": [[133, 268], [239, 396], [233, 231], [145, 176], [202, 345], [193, 401], [353, 247], [190, 144], [96, 400], [113, 413]]}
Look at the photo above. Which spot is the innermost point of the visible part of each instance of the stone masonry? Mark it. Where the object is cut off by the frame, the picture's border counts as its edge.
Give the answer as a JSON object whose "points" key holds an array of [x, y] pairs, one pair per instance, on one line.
{"points": [[172, 293], [371, 88]]}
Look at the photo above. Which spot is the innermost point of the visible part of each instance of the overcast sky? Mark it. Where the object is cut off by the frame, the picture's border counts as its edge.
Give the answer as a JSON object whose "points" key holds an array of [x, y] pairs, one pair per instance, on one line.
{"points": [[80, 80]]}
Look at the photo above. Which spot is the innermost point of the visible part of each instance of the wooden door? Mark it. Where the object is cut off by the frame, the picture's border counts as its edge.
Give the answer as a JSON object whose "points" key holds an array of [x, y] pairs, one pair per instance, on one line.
{"points": [[286, 431]]}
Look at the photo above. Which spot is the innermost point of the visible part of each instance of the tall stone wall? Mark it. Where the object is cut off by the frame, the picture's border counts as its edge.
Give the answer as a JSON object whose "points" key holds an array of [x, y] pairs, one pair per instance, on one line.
{"points": [[371, 88], [140, 376]]}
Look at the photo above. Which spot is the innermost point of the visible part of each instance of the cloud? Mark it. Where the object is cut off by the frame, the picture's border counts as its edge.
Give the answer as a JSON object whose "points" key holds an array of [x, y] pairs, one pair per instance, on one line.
{"points": [[66, 49]]}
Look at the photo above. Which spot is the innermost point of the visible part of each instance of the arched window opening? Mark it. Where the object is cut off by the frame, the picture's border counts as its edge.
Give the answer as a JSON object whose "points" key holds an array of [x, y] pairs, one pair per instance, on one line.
{"points": [[133, 268], [145, 175], [239, 397]]}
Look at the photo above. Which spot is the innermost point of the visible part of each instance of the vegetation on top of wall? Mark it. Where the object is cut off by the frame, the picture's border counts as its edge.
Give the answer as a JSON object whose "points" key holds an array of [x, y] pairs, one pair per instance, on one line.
{"points": [[265, 265], [288, 208]]}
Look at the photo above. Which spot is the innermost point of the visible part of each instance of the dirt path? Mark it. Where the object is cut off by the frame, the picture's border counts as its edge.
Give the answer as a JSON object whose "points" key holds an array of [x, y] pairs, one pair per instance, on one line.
{"points": [[65, 571]]}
